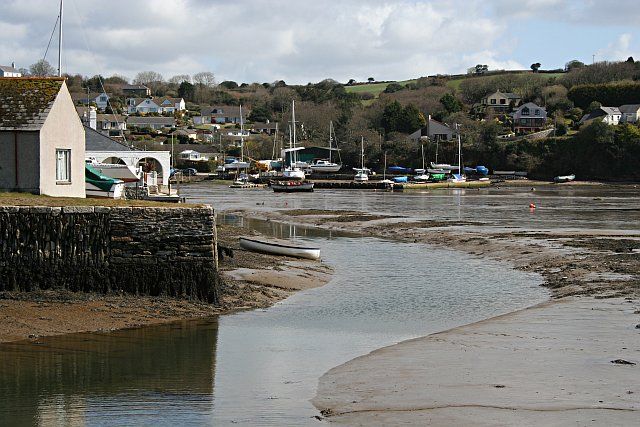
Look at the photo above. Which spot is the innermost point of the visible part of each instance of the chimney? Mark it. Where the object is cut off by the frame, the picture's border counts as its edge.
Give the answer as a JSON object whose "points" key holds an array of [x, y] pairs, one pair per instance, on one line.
{"points": [[93, 118], [13, 65]]}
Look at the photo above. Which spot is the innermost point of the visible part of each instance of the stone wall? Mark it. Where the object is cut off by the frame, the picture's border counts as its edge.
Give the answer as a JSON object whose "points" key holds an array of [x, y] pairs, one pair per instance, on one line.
{"points": [[135, 250]]}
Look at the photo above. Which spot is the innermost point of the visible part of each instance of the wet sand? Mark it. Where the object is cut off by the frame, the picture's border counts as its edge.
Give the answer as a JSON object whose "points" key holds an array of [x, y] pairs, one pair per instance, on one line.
{"points": [[553, 360], [251, 280]]}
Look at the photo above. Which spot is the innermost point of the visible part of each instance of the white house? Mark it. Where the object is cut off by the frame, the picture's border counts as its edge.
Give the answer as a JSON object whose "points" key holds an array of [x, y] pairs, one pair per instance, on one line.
{"points": [[41, 138], [501, 102], [608, 115], [221, 115], [9, 71], [100, 99], [193, 156], [630, 113], [164, 105], [111, 124]]}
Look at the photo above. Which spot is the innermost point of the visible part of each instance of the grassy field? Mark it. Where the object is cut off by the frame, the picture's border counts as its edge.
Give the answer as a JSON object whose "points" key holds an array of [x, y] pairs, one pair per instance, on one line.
{"points": [[374, 88], [455, 84], [27, 199]]}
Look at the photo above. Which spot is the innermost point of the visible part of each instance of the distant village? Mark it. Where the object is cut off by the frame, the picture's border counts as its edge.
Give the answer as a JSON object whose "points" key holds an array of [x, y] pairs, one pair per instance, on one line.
{"points": [[165, 126]]}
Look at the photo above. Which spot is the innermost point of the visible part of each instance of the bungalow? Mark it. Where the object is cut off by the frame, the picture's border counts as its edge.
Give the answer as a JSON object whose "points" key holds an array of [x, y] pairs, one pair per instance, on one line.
{"points": [[185, 133], [193, 156], [529, 117], [154, 123], [101, 100], [266, 128], [501, 102], [164, 105], [221, 115], [608, 115], [9, 71], [41, 138], [435, 131], [112, 125], [135, 90], [630, 113]]}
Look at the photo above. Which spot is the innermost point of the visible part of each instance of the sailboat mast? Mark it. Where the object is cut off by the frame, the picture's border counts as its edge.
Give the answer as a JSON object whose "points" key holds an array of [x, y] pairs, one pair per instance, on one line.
{"points": [[459, 151], [330, 138], [241, 136], [362, 151], [293, 120], [422, 148], [60, 43]]}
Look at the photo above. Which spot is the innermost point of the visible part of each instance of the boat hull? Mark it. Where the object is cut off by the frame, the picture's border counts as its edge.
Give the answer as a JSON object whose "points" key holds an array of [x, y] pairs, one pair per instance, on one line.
{"points": [[326, 168], [565, 178], [256, 245], [115, 192], [291, 186]]}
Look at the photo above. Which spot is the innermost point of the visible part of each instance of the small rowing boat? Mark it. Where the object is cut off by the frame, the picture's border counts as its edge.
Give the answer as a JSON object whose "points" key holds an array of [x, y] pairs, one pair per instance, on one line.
{"points": [[280, 247], [291, 186], [564, 178]]}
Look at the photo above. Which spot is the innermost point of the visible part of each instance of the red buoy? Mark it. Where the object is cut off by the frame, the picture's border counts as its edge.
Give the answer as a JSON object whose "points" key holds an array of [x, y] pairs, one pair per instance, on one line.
{"points": [[532, 206]]}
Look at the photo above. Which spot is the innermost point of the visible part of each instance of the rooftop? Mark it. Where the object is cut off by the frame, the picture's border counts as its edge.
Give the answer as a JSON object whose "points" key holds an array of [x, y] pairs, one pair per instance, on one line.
{"points": [[25, 102]]}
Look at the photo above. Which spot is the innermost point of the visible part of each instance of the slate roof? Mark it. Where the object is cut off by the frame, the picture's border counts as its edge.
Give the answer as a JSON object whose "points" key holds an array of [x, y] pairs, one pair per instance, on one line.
{"points": [[227, 111], [110, 118], [630, 108], [134, 87], [25, 102], [138, 121], [8, 69], [600, 112], [96, 141]]}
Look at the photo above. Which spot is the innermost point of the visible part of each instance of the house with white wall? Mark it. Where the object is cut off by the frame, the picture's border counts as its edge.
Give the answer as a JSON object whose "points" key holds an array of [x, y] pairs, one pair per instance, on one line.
{"points": [[165, 105], [42, 139], [608, 115], [9, 71], [630, 113], [100, 99]]}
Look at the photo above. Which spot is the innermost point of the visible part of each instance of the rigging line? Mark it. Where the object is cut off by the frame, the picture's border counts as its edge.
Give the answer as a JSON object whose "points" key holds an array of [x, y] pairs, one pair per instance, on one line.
{"points": [[93, 57], [44, 58]]}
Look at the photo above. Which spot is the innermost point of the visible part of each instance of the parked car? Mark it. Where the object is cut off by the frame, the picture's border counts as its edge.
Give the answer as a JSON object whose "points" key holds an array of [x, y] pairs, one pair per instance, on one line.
{"points": [[189, 172]]}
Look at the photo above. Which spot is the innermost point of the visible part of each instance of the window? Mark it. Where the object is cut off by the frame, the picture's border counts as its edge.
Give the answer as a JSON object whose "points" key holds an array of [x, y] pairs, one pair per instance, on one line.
{"points": [[503, 101], [525, 111], [103, 99], [537, 112], [493, 101], [63, 165]]}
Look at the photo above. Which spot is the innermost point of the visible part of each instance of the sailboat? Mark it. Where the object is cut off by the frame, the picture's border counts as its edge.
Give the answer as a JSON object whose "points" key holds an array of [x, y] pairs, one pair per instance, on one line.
{"points": [[362, 173], [292, 171], [458, 177], [327, 165], [422, 175], [242, 178], [385, 181]]}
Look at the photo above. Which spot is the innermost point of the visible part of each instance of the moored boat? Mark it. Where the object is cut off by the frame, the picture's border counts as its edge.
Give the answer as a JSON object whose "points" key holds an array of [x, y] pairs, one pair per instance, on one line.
{"points": [[291, 186], [100, 186], [564, 178], [277, 247]]}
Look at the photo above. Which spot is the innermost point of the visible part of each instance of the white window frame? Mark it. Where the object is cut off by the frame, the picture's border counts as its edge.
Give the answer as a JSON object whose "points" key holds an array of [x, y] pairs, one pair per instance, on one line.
{"points": [[63, 165]]}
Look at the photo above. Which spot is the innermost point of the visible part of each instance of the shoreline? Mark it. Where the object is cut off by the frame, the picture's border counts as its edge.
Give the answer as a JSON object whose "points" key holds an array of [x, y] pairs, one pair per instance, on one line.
{"points": [[585, 272], [251, 281]]}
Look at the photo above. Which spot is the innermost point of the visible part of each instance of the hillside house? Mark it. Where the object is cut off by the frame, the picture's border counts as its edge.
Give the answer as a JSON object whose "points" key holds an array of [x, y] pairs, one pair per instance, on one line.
{"points": [[501, 102], [41, 138], [266, 128], [435, 131], [608, 115], [112, 125], [193, 156], [630, 113], [101, 100], [153, 123], [135, 90], [163, 105], [220, 115], [9, 71], [528, 118]]}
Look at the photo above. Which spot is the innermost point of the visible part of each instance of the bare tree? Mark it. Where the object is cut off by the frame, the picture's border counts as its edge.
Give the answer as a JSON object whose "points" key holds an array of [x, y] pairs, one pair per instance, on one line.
{"points": [[204, 78], [146, 77], [42, 68], [179, 78]]}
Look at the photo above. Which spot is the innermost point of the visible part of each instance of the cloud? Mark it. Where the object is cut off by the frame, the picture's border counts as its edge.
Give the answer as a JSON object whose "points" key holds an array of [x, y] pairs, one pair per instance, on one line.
{"points": [[618, 50], [264, 41]]}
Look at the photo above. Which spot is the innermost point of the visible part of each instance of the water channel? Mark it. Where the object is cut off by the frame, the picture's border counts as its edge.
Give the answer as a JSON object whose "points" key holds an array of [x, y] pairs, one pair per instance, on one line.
{"points": [[261, 367]]}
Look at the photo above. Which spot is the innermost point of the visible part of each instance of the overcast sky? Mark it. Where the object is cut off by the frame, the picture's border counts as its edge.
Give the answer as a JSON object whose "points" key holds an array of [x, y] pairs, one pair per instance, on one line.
{"points": [[305, 41]]}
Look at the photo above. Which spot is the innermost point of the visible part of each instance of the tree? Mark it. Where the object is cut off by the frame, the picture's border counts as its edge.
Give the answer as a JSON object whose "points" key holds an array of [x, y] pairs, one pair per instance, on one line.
{"points": [[229, 84], [177, 79], [594, 106], [631, 60], [147, 77], [393, 87], [42, 68], [371, 80], [116, 79], [351, 82], [573, 65], [451, 103], [260, 113], [187, 91], [204, 78], [481, 69], [535, 67]]}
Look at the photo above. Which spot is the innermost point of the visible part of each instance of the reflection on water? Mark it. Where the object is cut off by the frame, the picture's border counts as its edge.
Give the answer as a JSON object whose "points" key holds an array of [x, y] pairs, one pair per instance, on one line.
{"points": [[262, 367], [161, 375]]}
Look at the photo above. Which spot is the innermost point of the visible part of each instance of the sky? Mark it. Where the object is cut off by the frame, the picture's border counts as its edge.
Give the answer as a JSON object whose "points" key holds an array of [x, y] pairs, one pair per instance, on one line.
{"points": [[305, 41]]}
